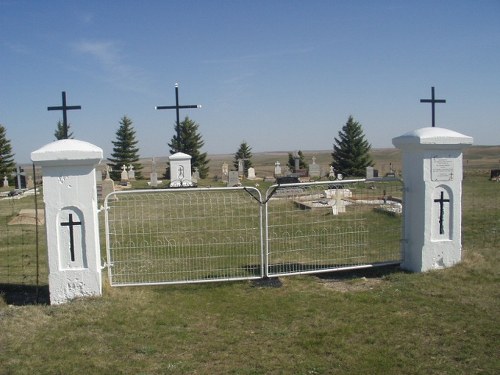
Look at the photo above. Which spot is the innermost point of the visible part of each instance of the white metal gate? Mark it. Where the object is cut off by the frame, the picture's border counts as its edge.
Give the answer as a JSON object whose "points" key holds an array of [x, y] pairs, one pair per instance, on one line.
{"points": [[213, 234], [183, 235]]}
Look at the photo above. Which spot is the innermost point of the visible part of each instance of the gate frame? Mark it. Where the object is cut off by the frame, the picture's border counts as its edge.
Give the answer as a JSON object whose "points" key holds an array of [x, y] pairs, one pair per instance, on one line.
{"points": [[109, 262], [270, 192]]}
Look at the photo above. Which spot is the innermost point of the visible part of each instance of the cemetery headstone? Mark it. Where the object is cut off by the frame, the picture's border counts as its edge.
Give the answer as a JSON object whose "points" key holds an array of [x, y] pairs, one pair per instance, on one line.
{"points": [[131, 173], [180, 170], [5, 181], [196, 176], [233, 179], [331, 173], [251, 173], [369, 172], [241, 167], [124, 175], [314, 169], [153, 177], [495, 174], [277, 169], [225, 171], [107, 185], [30, 184]]}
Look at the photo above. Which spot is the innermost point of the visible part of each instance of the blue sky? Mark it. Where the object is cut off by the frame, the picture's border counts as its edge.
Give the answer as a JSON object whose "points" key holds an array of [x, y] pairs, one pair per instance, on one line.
{"points": [[280, 75]]}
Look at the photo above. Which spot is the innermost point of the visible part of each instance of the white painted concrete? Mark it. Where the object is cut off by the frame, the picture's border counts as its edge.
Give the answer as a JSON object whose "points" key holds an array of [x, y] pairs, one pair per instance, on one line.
{"points": [[70, 196], [432, 174], [180, 170]]}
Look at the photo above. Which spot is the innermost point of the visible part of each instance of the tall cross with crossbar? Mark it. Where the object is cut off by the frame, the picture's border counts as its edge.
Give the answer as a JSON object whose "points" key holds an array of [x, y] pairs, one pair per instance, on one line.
{"points": [[64, 108], [433, 101], [441, 202], [177, 107]]}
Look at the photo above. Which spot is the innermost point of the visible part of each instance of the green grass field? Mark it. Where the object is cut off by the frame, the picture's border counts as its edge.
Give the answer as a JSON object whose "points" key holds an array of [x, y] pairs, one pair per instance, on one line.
{"points": [[375, 321]]}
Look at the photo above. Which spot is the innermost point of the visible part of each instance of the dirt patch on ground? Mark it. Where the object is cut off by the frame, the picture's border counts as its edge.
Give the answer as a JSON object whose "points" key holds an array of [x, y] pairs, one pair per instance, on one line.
{"points": [[351, 285]]}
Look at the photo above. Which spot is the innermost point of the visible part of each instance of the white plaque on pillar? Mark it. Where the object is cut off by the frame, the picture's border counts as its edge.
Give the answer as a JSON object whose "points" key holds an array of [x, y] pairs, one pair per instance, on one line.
{"points": [[442, 169]]}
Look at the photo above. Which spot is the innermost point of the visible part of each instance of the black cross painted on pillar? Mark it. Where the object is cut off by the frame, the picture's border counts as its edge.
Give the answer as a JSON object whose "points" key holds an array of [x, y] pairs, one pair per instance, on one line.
{"points": [[64, 108], [177, 107], [70, 223], [441, 202], [433, 101]]}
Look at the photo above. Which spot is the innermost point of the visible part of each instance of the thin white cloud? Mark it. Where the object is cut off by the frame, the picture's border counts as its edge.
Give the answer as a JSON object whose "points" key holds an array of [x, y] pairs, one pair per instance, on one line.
{"points": [[109, 56]]}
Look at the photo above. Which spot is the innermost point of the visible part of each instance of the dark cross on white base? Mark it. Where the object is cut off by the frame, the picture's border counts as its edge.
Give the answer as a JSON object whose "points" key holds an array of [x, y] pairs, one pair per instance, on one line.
{"points": [[70, 223], [433, 101], [441, 202], [64, 108], [177, 107]]}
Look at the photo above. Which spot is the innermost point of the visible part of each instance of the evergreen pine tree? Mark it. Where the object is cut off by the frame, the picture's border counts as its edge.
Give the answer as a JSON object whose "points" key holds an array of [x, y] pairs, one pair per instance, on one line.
{"points": [[125, 151], [7, 164], [302, 161], [190, 143], [59, 133], [351, 151], [244, 152]]}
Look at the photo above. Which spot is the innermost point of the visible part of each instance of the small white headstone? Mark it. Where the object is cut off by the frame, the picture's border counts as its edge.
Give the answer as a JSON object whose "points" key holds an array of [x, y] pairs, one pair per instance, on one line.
{"points": [[314, 169], [131, 173], [369, 172], [124, 176], [233, 179], [331, 174], [251, 173], [5, 181], [277, 169], [154, 176]]}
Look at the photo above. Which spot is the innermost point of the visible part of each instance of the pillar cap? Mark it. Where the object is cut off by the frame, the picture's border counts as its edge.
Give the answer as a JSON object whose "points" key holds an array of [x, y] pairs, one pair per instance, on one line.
{"points": [[67, 151], [179, 156], [431, 137]]}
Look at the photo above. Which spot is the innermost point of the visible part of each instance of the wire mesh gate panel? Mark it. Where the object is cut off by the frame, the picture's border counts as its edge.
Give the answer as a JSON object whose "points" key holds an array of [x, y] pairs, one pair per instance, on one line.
{"points": [[327, 226], [183, 235]]}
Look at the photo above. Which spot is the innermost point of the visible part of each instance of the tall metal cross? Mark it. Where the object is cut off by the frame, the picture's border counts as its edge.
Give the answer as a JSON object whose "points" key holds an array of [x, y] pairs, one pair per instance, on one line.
{"points": [[177, 107], [441, 202], [64, 108], [70, 223], [433, 101]]}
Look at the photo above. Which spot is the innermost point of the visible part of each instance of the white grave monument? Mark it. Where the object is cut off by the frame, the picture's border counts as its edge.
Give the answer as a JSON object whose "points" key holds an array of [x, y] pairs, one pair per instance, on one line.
{"points": [[124, 175], [225, 172], [180, 170], [5, 181], [131, 173], [277, 169], [432, 174], [154, 176], [70, 196], [251, 173]]}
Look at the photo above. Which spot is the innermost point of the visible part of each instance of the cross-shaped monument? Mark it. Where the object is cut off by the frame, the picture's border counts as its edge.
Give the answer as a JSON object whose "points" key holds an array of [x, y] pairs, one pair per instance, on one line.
{"points": [[441, 202], [433, 101], [64, 108], [177, 107], [70, 223]]}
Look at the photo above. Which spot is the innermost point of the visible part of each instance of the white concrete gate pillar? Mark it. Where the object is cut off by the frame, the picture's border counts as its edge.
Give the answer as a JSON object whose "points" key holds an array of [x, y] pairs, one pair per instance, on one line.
{"points": [[70, 196], [432, 175]]}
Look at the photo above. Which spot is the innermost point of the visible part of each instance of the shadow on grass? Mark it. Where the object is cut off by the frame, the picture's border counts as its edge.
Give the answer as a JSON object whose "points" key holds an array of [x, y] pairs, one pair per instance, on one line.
{"points": [[22, 295]]}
